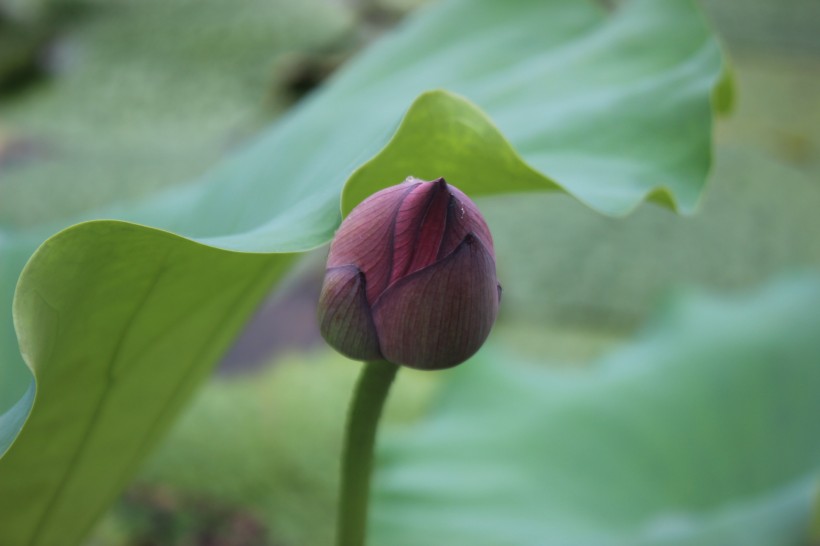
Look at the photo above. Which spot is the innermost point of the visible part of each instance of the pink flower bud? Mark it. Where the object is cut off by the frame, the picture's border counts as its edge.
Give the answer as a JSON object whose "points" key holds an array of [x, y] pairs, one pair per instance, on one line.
{"points": [[411, 278]]}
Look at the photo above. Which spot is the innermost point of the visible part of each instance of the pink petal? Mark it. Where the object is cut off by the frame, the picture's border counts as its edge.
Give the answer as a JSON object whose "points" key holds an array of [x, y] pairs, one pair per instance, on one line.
{"points": [[419, 228], [405, 228], [441, 315], [365, 237], [345, 319], [463, 218]]}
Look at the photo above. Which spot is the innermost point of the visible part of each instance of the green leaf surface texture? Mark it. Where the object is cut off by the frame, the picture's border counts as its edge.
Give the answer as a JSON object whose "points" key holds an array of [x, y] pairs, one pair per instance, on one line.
{"points": [[702, 431], [115, 358], [122, 312]]}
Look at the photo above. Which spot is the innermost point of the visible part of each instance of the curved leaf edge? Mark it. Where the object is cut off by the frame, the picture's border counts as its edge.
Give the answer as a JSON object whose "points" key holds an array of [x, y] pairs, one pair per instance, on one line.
{"points": [[359, 186], [352, 193], [13, 421]]}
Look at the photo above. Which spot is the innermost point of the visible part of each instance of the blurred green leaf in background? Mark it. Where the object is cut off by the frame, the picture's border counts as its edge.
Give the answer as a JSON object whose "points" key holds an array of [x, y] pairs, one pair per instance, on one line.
{"points": [[701, 431]]}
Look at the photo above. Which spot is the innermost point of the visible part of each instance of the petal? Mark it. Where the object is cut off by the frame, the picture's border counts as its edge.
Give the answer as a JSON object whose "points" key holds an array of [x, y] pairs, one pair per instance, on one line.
{"points": [[419, 227], [440, 316], [365, 237], [463, 218], [344, 314]]}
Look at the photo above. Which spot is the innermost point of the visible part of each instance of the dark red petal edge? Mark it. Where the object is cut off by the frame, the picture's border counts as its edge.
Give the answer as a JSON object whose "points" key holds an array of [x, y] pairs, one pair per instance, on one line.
{"points": [[463, 217], [419, 227]]}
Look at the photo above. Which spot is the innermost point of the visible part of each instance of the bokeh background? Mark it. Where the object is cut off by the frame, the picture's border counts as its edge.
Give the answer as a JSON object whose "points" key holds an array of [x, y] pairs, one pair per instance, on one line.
{"points": [[114, 99]]}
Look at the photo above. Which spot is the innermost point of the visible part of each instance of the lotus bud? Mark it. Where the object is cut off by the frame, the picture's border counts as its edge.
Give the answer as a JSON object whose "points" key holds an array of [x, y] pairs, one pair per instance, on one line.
{"points": [[411, 278]]}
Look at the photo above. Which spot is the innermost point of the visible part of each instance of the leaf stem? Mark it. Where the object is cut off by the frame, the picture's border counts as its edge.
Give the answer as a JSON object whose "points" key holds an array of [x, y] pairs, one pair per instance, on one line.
{"points": [[357, 455]]}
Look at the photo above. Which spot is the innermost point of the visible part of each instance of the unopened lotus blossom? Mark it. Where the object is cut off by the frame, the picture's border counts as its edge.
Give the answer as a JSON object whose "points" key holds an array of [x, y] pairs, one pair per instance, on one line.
{"points": [[411, 278]]}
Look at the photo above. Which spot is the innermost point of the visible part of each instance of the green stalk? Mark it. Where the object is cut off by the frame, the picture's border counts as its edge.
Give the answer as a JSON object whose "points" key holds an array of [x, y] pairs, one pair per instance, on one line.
{"points": [[357, 455]]}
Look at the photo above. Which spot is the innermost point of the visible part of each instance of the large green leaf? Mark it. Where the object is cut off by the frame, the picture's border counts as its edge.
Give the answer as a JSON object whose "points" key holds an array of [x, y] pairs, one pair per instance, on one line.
{"points": [[116, 122], [580, 122], [702, 432], [118, 320], [150, 329]]}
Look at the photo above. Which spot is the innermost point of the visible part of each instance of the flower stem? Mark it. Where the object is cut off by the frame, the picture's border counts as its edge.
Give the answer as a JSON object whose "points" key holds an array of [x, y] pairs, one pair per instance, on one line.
{"points": [[357, 456]]}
